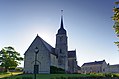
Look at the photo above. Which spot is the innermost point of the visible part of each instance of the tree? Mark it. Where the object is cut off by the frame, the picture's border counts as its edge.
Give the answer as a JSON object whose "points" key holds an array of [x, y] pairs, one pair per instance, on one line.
{"points": [[115, 17], [9, 58]]}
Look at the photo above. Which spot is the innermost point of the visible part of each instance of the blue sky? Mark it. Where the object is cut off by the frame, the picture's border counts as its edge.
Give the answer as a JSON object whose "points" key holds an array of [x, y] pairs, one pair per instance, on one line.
{"points": [[88, 23]]}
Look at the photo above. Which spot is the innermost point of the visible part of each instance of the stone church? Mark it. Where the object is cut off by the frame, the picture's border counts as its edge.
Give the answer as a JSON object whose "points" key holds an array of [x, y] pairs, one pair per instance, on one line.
{"points": [[48, 56]]}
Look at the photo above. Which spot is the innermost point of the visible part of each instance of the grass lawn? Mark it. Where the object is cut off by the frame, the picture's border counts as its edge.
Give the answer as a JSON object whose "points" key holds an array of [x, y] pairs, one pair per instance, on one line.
{"points": [[49, 76], [2, 75]]}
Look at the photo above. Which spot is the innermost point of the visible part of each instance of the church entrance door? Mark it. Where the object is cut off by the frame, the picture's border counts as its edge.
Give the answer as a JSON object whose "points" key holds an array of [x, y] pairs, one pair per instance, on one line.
{"points": [[36, 69]]}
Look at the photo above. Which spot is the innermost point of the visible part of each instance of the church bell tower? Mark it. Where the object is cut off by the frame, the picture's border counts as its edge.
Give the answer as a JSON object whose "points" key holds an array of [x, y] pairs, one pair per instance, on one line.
{"points": [[61, 47]]}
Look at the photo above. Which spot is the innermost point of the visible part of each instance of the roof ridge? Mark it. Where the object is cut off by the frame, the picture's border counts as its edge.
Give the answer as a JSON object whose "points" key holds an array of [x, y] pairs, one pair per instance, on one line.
{"points": [[95, 62], [48, 46]]}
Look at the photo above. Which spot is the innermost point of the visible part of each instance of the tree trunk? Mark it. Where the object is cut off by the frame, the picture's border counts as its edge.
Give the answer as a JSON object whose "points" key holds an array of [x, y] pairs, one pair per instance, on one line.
{"points": [[6, 69]]}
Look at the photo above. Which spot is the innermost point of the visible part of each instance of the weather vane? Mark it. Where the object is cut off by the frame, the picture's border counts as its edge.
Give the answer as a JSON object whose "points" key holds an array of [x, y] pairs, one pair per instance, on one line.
{"points": [[61, 12]]}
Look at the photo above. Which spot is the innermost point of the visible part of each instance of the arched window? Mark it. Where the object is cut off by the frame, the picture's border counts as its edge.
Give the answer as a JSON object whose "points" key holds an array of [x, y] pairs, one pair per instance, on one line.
{"points": [[60, 50]]}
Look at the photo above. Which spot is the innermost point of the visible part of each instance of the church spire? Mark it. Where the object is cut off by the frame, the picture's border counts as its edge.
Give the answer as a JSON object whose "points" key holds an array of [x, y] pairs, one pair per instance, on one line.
{"points": [[61, 30], [61, 19]]}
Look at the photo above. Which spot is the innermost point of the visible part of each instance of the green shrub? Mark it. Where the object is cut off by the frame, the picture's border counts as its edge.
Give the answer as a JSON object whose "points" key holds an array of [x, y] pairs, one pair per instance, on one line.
{"points": [[115, 75], [62, 78], [108, 75], [72, 78], [12, 69], [19, 69], [55, 70], [18, 78]]}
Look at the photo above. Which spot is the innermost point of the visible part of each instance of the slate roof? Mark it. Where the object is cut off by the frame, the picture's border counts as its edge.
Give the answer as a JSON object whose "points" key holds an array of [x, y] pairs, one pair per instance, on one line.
{"points": [[115, 65], [61, 31], [48, 46], [93, 63], [72, 54]]}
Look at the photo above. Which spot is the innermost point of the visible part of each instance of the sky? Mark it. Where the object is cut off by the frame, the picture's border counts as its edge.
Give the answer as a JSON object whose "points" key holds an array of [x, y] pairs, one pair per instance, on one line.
{"points": [[88, 24]]}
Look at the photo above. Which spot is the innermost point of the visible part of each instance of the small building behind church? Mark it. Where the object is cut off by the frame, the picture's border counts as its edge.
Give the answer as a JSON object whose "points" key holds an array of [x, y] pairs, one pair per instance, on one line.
{"points": [[48, 56], [113, 68], [95, 67]]}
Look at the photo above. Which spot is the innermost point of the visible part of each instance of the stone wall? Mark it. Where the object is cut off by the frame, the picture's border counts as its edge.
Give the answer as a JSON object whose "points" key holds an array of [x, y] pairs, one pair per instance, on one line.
{"points": [[43, 58], [54, 60]]}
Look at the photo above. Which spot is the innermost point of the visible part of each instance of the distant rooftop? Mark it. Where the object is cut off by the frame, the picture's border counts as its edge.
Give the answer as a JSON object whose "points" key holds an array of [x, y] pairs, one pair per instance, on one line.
{"points": [[94, 63]]}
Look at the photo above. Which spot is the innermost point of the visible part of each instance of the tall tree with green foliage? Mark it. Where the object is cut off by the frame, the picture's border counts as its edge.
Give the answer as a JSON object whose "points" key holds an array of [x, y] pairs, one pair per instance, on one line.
{"points": [[115, 17], [9, 58]]}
